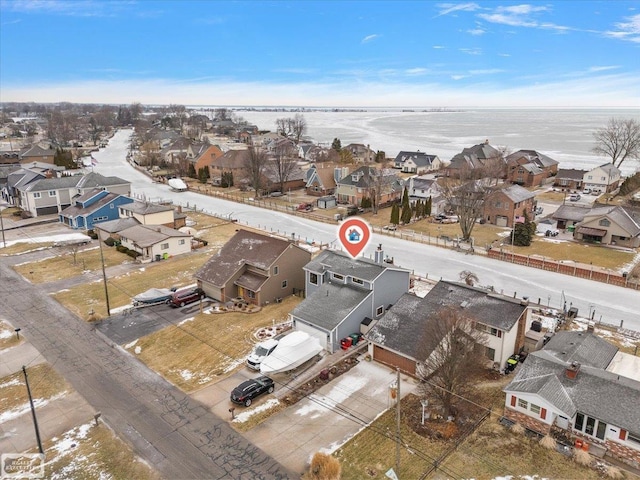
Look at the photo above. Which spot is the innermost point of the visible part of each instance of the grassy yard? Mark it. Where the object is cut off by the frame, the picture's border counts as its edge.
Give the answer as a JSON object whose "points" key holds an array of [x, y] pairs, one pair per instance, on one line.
{"points": [[8, 337], [90, 452], [23, 247], [44, 382], [201, 350]]}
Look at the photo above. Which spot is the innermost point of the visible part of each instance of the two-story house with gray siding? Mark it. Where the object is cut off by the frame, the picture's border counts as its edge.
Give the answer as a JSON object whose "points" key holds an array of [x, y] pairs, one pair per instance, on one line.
{"points": [[341, 292]]}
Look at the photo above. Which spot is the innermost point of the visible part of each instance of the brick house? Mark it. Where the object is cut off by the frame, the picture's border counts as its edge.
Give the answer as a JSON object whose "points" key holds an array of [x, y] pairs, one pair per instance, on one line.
{"points": [[35, 153], [360, 153], [530, 168], [581, 386], [569, 179], [473, 158], [508, 204], [360, 184], [322, 178]]}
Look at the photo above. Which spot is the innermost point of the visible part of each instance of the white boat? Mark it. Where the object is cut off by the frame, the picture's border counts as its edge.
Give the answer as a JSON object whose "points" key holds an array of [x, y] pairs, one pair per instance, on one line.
{"points": [[177, 184], [292, 351]]}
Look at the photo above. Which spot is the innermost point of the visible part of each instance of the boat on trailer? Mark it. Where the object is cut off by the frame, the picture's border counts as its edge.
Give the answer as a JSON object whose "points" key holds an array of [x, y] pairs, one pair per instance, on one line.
{"points": [[292, 351], [178, 185]]}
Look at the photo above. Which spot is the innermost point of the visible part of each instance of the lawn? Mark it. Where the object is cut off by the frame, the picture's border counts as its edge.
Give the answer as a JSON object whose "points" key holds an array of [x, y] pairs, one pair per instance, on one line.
{"points": [[8, 337], [90, 452], [24, 247], [44, 382], [210, 346]]}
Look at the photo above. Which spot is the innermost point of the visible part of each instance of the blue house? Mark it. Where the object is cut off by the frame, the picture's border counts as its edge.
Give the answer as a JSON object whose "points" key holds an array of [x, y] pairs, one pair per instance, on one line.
{"points": [[92, 207], [341, 292]]}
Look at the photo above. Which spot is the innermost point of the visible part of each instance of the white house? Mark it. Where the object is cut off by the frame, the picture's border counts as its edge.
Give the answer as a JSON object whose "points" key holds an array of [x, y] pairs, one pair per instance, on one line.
{"points": [[155, 242], [604, 178], [416, 162]]}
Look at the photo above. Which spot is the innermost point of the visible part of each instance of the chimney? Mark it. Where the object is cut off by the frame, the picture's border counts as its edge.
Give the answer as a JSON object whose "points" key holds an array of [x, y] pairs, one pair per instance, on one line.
{"points": [[379, 255], [572, 370], [591, 327]]}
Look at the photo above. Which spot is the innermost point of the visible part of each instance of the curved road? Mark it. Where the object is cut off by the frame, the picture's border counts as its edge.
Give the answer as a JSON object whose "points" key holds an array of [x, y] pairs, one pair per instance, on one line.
{"points": [[175, 434], [611, 304]]}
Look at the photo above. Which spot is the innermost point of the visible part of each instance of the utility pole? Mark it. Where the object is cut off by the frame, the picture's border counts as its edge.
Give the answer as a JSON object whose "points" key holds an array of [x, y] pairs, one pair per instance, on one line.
{"points": [[4, 244], [398, 423], [33, 410], [104, 277]]}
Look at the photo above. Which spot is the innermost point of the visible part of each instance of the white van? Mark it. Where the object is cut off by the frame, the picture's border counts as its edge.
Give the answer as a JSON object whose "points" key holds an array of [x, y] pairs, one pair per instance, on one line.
{"points": [[261, 351]]}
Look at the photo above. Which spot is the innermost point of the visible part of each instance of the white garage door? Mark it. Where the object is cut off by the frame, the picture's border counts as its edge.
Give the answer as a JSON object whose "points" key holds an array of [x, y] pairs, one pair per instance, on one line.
{"points": [[501, 221], [313, 331]]}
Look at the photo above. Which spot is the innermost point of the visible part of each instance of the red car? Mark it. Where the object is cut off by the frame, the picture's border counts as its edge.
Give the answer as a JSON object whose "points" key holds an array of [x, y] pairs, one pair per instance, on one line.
{"points": [[184, 297]]}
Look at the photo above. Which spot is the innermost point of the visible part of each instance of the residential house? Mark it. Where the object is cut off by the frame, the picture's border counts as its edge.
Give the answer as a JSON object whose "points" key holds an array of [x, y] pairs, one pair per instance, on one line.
{"points": [[530, 168], [155, 242], [402, 338], [605, 178], [258, 268], [580, 385], [112, 228], [176, 150], [234, 162], [341, 292], [204, 156], [568, 216], [569, 179], [35, 153], [609, 225], [147, 213], [473, 158], [422, 188], [162, 138], [19, 179], [294, 178], [365, 181], [360, 153], [52, 195], [322, 178], [509, 204], [416, 162], [94, 206]]}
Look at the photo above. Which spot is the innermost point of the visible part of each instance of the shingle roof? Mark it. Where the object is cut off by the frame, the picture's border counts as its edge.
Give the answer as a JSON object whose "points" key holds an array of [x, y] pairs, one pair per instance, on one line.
{"points": [[244, 247], [330, 304], [573, 213], [90, 180], [117, 225], [36, 151], [517, 193], [76, 210], [144, 208], [615, 214], [341, 264], [403, 327], [586, 349], [570, 174], [537, 158], [148, 235], [419, 158]]}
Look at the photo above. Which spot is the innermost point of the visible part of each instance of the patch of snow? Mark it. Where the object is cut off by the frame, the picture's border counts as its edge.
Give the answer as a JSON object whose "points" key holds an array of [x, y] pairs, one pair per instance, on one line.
{"points": [[25, 408], [137, 350], [6, 333], [233, 365], [119, 309], [246, 414], [186, 374], [71, 438], [11, 383], [190, 319], [129, 345]]}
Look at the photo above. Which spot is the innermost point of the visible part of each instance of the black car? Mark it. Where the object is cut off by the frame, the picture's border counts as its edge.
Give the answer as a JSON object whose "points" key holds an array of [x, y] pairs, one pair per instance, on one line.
{"points": [[244, 393]]}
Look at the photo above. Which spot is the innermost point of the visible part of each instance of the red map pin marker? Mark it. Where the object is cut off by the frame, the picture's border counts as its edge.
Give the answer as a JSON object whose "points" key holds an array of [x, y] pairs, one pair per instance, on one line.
{"points": [[354, 235]]}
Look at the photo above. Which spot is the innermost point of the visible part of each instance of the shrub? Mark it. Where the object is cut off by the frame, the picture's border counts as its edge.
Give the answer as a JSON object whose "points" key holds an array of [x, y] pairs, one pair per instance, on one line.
{"points": [[548, 442], [581, 457], [133, 253], [613, 472], [324, 467], [92, 234], [517, 429], [110, 242], [122, 248]]}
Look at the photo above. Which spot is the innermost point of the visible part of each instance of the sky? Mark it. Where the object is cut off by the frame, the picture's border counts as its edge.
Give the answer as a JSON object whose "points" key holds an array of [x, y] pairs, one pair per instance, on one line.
{"points": [[362, 53]]}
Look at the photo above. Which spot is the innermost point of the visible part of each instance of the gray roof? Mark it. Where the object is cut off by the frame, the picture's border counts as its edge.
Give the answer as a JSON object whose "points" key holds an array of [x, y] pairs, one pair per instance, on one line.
{"points": [[618, 215], [117, 225], [596, 392], [608, 167], [330, 304], [244, 248], [517, 193], [365, 175], [570, 174], [419, 158], [90, 180], [148, 235], [36, 151], [144, 208], [584, 348], [574, 213], [341, 264], [474, 156], [403, 327], [534, 157], [76, 209]]}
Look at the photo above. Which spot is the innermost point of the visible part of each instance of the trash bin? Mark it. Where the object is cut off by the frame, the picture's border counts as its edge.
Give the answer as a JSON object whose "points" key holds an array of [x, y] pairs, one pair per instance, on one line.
{"points": [[345, 343], [355, 338], [158, 257]]}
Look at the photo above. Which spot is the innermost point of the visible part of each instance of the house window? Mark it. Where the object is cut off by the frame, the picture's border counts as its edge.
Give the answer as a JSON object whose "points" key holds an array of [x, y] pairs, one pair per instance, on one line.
{"points": [[604, 222], [250, 294], [164, 246], [590, 177], [633, 438], [112, 206], [36, 195], [52, 193], [338, 276], [284, 284], [523, 403], [590, 426], [379, 311], [275, 270], [181, 241], [490, 353], [358, 281], [313, 278], [579, 422], [601, 430], [100, 219], [535, 408]]}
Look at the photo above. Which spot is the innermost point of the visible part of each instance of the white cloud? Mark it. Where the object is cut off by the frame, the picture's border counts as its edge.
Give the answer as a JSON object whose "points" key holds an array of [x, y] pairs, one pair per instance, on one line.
{"points": [[471, 51], [486, 71], [370, 38], [437, 47], [628, 30], [458, 77], [521, 9], [72, 8], [416, 71], [447, 8], [522, 16], [477, 31], [504, 54], [603, 68]]}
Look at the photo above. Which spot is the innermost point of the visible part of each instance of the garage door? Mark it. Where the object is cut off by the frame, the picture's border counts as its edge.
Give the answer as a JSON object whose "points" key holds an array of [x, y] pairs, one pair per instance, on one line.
{"points": [[394, 360], [501, 221], [313, 331]]}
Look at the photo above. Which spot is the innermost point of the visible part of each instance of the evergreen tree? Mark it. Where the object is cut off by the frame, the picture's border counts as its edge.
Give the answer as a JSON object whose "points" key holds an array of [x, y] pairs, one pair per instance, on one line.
{"points": [[203, 174], [336, 144], [191, 171], [405, 216], [395, 214], [428, 207]]}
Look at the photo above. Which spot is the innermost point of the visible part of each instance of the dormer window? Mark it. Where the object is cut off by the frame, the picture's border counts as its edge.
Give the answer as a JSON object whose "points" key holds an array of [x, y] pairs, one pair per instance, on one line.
{"points": [[604, 222]]}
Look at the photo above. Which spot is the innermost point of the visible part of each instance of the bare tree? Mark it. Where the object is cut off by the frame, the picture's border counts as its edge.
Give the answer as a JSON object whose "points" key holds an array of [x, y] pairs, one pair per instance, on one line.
{"points": [[619, 139], [495, 168], [283, 163], [465, 196], [255, 164], [292, 127], [448, 371], [468, 277]]}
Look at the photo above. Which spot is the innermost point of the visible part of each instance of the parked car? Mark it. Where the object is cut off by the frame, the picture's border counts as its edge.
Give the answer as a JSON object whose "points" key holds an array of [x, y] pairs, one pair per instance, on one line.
{"points": [[574, 197], [539, 210], [244, 393], [586, 191], [390, 227], [261, 351], [184, 297]]}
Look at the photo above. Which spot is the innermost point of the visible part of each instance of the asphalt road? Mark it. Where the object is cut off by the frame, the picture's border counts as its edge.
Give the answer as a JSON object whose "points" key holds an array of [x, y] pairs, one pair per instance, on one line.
{"points": [[177, 435], [607, 303]]}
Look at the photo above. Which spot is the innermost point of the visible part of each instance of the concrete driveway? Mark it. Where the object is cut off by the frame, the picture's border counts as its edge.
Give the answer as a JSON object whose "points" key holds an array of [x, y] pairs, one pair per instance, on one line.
{"points": [[321, 422]]}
